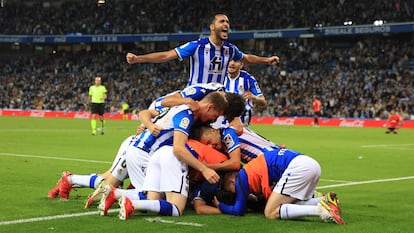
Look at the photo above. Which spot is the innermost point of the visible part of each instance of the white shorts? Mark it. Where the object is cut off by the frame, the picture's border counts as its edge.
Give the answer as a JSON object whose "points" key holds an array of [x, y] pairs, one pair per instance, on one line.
{"points": [[136, 162], [300, 178], [118, 169], [166, 173]]}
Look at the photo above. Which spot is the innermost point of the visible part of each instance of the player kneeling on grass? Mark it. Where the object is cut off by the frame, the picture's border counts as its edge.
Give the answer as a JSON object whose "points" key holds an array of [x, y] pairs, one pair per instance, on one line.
{"points": [[296, 177], [394, 122]]}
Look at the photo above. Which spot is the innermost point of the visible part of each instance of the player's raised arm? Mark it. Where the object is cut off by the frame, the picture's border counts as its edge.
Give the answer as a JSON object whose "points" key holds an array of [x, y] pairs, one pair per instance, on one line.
{"points": [[254, 59], [157, 57]]}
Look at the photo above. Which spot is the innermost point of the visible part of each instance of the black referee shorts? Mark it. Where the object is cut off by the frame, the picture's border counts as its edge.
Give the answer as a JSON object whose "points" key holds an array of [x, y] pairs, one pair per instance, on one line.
{"points": [[98, 108]]}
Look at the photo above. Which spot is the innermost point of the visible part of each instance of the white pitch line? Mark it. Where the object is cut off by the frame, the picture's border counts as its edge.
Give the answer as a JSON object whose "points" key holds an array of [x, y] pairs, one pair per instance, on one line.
{"points": [[366, 182], [52, 217], [155, 219], [55, 158], [158, 219], [385, 145], [338, 181]]}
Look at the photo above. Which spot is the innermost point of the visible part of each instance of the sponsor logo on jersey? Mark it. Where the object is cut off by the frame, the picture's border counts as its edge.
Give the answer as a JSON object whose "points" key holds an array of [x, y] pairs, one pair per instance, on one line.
{"points": [[228, 141], [184, 122], [190, 91], [256, 85]]}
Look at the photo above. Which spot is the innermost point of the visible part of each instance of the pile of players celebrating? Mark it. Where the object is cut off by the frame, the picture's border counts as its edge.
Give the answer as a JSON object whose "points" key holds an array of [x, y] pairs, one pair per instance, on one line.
{"points": [[194, 148]]}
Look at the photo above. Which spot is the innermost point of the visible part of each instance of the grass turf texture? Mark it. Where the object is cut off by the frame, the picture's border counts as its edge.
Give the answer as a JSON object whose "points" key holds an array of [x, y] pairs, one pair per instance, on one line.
{"points": [[34, 152]]}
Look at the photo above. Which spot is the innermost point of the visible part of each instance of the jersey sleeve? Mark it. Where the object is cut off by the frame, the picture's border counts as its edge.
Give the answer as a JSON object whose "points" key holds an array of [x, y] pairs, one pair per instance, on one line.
{"points": [[254, 87], [183, 120], [194, 92], [90, 91], [238, 55], [186, 50], [230, 139]]}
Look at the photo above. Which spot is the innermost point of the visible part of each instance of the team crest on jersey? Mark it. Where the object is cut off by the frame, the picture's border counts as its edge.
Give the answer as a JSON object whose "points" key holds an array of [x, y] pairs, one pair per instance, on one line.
{"points": [[226, 51], [228, 141], [241, 88], [190, 91], [184, 122]]}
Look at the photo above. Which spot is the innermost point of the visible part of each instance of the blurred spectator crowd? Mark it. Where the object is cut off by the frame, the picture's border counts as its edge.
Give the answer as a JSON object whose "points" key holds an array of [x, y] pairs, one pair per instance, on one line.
{"points": [[365, 80], [63, 17]]}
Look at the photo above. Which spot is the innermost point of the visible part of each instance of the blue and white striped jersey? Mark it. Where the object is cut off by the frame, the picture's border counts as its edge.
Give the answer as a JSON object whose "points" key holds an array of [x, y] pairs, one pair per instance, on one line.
{"points": [[208, 62], [240, 84], [176, 118], [252, 144]]}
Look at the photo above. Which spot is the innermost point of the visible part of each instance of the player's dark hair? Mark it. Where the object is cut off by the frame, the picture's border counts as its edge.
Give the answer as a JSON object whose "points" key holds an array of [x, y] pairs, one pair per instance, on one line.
{"points": [[197, 132], [212, 18], [236, 106]]}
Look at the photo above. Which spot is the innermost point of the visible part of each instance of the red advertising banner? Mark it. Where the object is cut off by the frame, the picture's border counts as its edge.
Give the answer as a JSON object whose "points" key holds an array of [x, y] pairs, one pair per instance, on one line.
{"points": [[326, 122], [55, 114], [339, 122]]}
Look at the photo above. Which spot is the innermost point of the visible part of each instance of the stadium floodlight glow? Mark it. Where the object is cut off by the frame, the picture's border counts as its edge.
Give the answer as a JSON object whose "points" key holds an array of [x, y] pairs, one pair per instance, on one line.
{"points": [[348, 23], [101, 1], [379, 22]]}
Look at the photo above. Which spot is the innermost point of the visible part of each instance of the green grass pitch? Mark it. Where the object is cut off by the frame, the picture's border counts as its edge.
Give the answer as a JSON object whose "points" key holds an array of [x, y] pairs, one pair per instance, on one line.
{"points": [[372, 173]]}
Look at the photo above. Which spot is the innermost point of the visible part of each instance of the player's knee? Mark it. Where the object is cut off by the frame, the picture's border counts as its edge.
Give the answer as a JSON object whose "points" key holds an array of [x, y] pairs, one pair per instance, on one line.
{"points": [[272, 213]]}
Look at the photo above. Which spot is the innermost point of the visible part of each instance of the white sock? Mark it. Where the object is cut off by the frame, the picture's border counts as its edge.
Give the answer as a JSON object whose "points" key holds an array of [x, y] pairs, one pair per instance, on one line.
{"points": [[159, 206], [91, 181], [292, 211], [132, 194], [312, 201]]}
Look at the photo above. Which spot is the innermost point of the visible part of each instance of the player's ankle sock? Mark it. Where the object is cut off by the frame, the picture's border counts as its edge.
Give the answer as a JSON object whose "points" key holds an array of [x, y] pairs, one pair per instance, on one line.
{"points": [[292, 211], [102, 124], [158, 206], [168, 209], [91, 181]]}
